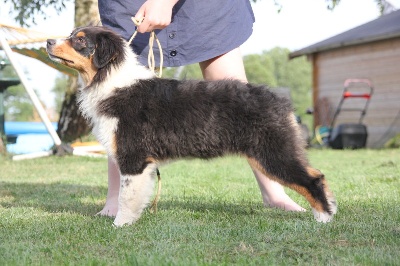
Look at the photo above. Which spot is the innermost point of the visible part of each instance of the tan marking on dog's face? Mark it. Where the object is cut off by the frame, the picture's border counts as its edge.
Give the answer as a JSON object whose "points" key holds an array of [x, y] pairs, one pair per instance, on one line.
{"points": [[65, 53], [80, 34]]}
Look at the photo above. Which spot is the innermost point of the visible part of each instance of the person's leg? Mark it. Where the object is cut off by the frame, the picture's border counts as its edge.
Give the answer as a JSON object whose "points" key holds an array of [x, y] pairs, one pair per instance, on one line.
{"points": [[230, 65], [274, 195], [111, 206]]}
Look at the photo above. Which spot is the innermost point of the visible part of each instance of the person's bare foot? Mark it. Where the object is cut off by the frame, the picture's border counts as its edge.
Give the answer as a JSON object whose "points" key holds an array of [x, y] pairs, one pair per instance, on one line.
{"points": [[283, 202], [273, 194], [110, 208]]}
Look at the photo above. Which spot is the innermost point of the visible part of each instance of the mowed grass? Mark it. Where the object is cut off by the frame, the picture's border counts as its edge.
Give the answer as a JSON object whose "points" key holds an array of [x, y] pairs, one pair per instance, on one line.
{"points": [[210, 213]]}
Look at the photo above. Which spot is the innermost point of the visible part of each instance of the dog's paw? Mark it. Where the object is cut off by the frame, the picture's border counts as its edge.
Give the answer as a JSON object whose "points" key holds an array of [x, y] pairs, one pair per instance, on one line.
{"points": [[322, 217], [119, 223], [123, 219], [325, 217], [333, 205]]}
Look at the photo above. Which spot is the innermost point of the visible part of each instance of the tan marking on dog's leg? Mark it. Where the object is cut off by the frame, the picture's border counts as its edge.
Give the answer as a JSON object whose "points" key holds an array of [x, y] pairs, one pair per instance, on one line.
{"points": [[151, 160], [320, 214], [297, 130], [254, 164], [134, 195], [273, 194], [314, 173], [305, 193], [114, 146], [318, 210], [330, 197]]}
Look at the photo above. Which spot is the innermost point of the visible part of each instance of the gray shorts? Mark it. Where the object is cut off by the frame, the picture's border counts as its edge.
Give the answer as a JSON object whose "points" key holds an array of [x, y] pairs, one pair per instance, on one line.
{"points": [[200, 29]]}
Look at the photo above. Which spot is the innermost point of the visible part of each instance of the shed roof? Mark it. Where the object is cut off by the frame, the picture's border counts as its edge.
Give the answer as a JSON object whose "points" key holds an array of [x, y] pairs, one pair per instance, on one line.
{"points": [[382, 28]]}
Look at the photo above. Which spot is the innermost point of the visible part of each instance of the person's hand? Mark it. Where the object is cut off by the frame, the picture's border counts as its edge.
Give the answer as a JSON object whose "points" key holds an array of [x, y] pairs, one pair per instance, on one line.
{"points": [[156, 13]]}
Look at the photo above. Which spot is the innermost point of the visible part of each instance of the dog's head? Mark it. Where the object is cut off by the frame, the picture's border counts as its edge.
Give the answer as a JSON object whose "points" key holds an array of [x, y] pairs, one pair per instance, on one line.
{"points": [[89, 50]]}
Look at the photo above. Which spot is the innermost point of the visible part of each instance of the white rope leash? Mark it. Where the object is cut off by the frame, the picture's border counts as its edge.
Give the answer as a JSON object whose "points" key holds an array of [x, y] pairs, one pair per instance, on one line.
{"points": [[150, 58], [153, 206]]}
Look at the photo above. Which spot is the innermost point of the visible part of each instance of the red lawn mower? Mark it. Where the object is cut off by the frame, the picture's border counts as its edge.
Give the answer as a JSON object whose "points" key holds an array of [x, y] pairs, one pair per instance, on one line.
{"points": [[351, 135]]}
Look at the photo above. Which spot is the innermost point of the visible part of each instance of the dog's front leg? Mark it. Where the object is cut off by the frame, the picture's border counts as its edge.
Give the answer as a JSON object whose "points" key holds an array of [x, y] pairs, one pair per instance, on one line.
{"points": [[134, 195]]}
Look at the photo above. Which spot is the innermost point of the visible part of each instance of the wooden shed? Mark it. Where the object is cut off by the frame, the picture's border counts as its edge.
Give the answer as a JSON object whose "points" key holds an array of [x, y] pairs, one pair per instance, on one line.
{"points": [[370, 51]]}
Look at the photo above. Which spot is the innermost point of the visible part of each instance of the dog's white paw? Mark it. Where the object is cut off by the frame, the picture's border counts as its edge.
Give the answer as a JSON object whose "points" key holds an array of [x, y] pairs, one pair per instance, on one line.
{"points": [[333, 206], [123, 219], [322, 217]]}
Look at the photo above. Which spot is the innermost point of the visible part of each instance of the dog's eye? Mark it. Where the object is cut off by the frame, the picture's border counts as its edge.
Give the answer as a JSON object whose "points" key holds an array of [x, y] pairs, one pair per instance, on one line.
{"points": [[79, 42]]}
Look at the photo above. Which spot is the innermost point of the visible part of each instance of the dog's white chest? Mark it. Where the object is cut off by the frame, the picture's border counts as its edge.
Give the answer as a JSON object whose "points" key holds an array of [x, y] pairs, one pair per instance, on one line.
{"points": [[104, 127]]}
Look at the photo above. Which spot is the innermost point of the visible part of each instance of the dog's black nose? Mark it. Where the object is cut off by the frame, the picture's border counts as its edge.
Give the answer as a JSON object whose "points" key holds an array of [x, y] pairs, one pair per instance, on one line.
{"points": [[50, 42]]}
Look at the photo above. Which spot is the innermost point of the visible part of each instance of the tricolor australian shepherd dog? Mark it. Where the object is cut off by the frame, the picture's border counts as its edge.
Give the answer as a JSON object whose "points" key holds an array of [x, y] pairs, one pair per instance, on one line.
{"points": [[142, 120]]}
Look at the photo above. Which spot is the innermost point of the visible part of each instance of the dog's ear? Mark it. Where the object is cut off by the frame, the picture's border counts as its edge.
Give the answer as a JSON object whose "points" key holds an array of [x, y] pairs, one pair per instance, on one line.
{"points": [[109, 46]]}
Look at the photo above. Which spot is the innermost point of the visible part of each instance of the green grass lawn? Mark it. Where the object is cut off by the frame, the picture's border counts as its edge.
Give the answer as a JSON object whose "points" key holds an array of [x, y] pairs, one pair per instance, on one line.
{"points": [[210, 213]]}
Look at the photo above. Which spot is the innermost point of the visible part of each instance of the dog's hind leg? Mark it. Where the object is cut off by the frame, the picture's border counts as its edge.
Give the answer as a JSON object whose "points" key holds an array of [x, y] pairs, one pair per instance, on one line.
{"points": [[306, 181], [134, 195]]}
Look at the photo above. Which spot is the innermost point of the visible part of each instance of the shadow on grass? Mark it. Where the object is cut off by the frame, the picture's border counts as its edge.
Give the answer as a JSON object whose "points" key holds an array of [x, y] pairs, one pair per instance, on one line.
{"points": [[55, 197], [88, 200], [198, 204]]}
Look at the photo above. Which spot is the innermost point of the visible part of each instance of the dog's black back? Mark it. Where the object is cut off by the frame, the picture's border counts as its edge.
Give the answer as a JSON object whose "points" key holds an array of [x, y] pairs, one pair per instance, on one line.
{"points": [[231, 116]]}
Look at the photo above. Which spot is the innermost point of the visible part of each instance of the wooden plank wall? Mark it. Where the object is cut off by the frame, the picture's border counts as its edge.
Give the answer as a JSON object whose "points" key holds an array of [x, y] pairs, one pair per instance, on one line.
{"points": [[378, 62]]}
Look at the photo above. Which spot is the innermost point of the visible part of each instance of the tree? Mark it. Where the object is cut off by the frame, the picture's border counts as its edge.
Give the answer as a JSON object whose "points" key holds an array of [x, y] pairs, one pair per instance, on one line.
{"points": [[71, 123], [60, 84], [274, 68], [383, 5], [294, 74], [259, 70], [17, 104], [192, 71], [26, 10]]}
